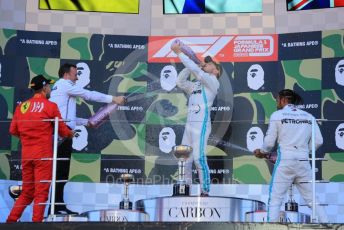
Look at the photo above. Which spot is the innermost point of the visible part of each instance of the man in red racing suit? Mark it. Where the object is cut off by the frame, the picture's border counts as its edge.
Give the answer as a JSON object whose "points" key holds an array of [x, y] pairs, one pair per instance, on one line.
{"points": [[35, 135]]}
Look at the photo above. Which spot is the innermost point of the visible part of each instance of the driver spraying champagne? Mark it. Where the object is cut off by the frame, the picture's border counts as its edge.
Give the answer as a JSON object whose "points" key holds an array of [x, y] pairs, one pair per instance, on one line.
{"points": [[201, 93], [291, 128]]}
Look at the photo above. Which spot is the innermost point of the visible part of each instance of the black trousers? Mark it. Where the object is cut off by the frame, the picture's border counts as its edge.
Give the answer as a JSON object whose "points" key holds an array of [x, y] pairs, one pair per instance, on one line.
{"points": [[64, 150]]}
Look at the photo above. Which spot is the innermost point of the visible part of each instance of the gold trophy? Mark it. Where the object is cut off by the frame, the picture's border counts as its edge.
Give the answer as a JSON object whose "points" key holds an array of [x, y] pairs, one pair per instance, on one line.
{"points": [[182, 153]]}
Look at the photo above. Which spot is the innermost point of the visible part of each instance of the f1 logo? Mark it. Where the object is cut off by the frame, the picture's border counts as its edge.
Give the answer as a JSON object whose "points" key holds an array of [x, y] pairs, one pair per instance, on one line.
{"points": [[231, 48], [203, 46]]}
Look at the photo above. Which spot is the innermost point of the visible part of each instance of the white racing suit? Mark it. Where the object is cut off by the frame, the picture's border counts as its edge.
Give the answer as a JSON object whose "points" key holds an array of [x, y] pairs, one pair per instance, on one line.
{"points": [[65, 92], [292, 128], [201, 94]]}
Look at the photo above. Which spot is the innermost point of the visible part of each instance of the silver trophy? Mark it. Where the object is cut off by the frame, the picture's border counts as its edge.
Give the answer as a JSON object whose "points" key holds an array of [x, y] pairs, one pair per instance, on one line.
{"points": [[125, 203], [182, 153], [291, 205]]}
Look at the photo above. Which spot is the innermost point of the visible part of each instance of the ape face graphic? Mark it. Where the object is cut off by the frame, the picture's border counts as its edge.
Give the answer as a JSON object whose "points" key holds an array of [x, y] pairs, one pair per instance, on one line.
{"points": [[168, 77], [339, 72], [80, 138], [255, 77], [167, 139], [254, 138], [83, 72], [340, 136]]}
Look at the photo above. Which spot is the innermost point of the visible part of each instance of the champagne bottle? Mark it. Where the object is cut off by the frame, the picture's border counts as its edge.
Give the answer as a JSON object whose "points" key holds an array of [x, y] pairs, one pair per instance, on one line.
{"points": [[188, 51], [102, 115]]}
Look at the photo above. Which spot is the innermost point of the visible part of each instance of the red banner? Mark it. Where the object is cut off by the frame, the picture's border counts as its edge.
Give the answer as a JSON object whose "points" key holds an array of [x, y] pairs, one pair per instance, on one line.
{"points": [[224, 48]]}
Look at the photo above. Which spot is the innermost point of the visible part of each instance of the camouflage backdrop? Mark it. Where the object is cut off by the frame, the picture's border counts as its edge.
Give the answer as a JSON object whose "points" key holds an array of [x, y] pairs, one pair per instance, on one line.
{"points": [[139, 135]]}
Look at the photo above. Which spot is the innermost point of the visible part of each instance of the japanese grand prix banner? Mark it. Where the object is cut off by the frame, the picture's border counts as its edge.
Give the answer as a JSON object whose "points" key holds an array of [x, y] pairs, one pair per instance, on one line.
{"points": [[139, 136]]}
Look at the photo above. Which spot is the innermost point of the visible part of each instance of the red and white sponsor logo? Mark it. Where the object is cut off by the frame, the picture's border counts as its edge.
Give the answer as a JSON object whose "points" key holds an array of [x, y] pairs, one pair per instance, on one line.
{"points": [[222, 48], [159, 48], [253, 46]]}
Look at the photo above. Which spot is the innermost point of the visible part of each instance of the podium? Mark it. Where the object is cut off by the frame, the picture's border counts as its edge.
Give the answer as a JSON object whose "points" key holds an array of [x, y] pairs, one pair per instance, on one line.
{"points": [[124, 213], [284, 217], [120, 215], [198, 209]]}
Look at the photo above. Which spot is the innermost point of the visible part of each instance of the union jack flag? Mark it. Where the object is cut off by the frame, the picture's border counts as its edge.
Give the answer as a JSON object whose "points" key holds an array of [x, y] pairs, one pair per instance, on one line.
{"points": [[313, 4]]}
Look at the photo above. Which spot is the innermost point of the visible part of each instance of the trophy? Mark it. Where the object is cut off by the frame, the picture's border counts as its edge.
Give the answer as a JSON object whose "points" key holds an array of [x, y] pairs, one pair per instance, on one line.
{"points": [[182, 153], [125, 203], [15, 191], [291, 205]]}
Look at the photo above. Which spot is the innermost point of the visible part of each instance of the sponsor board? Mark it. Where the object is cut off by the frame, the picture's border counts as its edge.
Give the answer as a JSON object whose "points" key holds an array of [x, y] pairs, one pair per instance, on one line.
{"points": [[311, 102], [38, 44], [112, 167], [194, 209], [141, 129], [333, 74], [299, 45], [225, 48], [118, 47]]}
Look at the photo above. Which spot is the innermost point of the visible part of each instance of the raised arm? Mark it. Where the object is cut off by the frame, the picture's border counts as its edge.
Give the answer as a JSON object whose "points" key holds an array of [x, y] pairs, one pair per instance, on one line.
{"points": [[208, 80], [77, 91], [205, 78], [182, 81]]}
